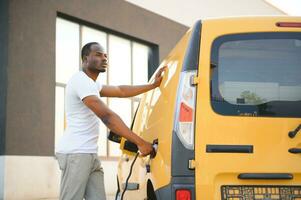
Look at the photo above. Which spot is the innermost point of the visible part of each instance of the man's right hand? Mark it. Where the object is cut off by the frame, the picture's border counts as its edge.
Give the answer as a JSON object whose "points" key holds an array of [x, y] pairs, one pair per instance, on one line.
{"points": [[145, 148]]}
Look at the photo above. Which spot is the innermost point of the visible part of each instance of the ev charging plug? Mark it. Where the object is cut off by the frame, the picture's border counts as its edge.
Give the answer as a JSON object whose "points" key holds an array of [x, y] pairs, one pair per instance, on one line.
{"points": [[155, 149]]}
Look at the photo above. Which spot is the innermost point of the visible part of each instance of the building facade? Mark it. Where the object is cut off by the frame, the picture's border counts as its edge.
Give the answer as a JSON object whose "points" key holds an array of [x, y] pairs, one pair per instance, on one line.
{"points": [[40, 49]]}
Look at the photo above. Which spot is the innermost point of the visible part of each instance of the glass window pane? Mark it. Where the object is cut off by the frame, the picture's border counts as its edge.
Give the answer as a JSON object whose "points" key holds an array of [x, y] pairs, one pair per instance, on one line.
{"points": [[260, 71], [256, 75], [59, 112], [119, 61], [140, 64], [123, 108], [114, 149], [67, 49], [93, 35]]}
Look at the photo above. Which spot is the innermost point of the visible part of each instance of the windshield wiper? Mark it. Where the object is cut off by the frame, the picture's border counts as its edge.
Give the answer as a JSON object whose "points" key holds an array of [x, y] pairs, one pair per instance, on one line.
{"points": [[292, 134]]}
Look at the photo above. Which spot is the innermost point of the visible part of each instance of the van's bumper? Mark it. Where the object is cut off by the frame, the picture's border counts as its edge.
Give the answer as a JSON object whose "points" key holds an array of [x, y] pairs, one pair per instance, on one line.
{"points": [[169, 192]]}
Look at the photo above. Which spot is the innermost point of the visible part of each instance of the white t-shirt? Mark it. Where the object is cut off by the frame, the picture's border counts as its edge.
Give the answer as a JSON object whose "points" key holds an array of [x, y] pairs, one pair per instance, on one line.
{"points": [[82, 129]]}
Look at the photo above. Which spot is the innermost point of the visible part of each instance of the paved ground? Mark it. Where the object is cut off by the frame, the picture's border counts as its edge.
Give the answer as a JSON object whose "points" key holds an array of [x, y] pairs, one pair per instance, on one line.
{"points": [[108, 198]]}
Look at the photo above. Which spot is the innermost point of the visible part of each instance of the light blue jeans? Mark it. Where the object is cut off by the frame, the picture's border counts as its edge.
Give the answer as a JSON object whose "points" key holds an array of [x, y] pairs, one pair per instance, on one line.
{"points": [[82, 177]]}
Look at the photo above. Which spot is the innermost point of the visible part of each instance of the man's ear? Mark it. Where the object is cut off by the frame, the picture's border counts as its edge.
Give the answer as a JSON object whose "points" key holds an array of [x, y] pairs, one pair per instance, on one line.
{"points": [[85, 59]]}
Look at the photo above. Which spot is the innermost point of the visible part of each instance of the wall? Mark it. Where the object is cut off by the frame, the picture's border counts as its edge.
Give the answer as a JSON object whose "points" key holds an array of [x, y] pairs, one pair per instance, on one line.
{"points": [[27, 75], [31, 70], [3, 70]]}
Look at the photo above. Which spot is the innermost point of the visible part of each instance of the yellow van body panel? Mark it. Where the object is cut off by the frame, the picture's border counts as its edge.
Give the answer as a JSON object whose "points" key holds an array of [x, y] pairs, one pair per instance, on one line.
{"points": [[269, 135], [154, 120]]}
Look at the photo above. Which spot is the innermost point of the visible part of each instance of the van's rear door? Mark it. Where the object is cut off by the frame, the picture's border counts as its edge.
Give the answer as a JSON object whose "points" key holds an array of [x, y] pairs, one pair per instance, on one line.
{"points": [[248, 100]]}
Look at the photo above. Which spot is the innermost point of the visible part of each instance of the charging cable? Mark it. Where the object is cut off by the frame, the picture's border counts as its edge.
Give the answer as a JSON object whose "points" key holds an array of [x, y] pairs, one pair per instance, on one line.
{"points": [[127, 179], [152, 155]]}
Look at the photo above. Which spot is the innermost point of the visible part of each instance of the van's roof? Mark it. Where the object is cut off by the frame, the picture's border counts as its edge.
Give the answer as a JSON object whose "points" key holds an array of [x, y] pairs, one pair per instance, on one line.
{"points": [[247, 18]]}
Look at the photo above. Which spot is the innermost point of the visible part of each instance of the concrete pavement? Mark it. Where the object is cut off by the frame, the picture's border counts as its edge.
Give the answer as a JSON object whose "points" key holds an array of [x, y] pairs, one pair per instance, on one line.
{"points": [[108, 198]]}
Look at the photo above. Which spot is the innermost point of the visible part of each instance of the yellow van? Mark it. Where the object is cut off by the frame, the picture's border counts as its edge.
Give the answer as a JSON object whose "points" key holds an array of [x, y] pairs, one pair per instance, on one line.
{"points": [[226, 116]]}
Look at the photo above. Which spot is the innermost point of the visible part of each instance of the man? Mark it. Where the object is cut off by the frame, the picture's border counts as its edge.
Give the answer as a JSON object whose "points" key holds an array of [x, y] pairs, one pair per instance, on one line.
{"points": [[82, 175]]}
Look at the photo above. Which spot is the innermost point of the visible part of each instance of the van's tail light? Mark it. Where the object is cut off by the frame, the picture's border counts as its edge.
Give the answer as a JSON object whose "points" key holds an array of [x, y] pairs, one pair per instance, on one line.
{"points": [[185, 109], [183, 194]]}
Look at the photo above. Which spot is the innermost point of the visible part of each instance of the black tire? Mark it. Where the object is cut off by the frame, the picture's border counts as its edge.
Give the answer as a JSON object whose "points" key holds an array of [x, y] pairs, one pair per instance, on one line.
{"points": [[150, 192]]}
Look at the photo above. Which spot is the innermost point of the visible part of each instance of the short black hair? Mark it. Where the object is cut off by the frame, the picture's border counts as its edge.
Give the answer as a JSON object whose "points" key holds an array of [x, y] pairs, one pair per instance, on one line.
{"points": [[87, 49]]}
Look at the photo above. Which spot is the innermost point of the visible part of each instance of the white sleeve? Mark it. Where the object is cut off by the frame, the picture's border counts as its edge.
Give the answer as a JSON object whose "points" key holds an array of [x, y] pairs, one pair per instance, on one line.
{"points": [[99, 85], [85, 87]]}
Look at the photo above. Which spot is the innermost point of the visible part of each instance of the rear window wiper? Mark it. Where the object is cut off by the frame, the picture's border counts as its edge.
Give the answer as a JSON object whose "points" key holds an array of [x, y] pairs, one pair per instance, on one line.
{"points": [[293, 133]]}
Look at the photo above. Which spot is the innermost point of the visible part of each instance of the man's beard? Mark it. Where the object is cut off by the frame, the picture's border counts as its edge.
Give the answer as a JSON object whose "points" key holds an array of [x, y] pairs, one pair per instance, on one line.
{"points": [[98, 69], [102, 70]]}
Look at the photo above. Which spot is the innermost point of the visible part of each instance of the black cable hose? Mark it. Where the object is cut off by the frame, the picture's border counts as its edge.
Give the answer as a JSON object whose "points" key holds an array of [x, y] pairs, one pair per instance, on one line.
{"points": [[127, 179]]}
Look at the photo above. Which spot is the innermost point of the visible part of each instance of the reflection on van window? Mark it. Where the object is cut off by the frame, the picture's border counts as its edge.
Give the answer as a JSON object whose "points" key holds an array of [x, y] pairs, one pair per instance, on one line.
{"points": [[257, 75]]}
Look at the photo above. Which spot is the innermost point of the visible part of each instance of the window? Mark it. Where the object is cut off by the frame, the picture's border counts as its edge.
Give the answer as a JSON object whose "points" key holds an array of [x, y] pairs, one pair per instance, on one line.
{"points": [[67, 63], [67, 50], [257, 75], [128, 64]]}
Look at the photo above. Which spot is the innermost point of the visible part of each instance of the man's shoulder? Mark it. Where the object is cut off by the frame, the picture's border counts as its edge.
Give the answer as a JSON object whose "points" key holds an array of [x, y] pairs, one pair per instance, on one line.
{"points": [[80, 81], [76, 77]]}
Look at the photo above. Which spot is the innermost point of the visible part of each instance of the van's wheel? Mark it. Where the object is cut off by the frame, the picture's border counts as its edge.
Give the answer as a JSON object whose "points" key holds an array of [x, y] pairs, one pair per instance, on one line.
{"points": [[150, 191], [151, 196], [118, 195]]}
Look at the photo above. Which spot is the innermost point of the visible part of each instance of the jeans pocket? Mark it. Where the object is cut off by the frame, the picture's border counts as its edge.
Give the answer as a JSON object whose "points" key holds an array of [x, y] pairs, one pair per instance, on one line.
{"points": [[97, 165], [62, 161]]}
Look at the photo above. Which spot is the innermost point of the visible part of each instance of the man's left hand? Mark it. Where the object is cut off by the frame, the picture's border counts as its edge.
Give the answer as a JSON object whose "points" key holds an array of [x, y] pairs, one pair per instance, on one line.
{"points": [[159, 76]]}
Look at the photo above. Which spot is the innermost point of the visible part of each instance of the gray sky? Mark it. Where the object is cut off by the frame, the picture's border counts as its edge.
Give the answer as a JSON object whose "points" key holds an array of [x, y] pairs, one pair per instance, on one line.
{"points": [[291, 7]]}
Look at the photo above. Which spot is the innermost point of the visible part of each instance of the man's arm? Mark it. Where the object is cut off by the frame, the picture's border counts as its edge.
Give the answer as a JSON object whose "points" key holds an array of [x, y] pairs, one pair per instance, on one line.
{"points": [[114, 123], [124, 90], [129, 90]]}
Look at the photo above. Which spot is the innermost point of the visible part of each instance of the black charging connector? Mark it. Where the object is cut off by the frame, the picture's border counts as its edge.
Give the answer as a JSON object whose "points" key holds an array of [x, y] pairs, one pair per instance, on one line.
{"points": [[114, 137], [130, 146]]}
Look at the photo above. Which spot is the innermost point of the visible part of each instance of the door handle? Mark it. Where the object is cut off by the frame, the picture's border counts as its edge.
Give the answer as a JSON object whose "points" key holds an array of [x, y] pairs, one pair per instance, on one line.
{"points": [[213, 148], [293, 133], [294, 150], [265, 176]]}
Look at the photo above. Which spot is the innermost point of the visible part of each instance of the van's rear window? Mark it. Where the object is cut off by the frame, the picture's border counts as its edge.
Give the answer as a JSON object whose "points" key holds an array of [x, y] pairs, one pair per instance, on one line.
{"points": [[257, 74]]}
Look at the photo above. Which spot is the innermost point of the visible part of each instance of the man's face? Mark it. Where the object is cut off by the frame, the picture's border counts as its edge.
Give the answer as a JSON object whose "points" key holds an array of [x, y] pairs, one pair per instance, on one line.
{"points": [[97, 59]]}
